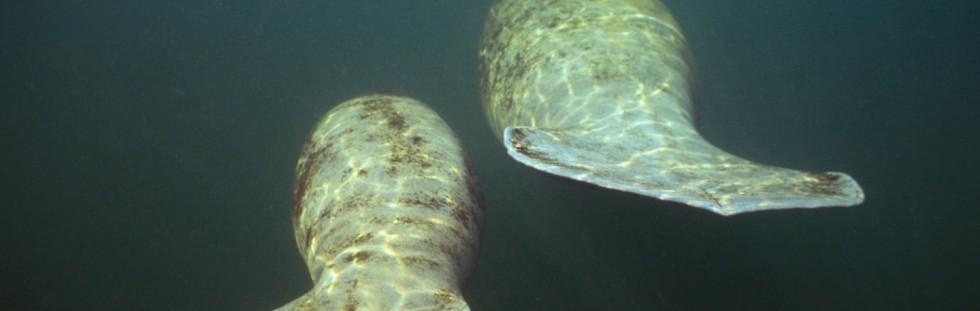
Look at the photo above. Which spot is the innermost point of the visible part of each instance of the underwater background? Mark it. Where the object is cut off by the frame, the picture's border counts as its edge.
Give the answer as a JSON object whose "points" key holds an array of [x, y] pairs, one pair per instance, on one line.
{"points": [[148, 150]]}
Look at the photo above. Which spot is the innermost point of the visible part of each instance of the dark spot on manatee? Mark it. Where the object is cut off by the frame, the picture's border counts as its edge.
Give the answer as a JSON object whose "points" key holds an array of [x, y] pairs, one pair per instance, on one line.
{"points": [[383, 108], [354, 203], [362, 256], [462, 216], [355, 240], [824, 177], [396, 121], [826, 184], [421, 262], [517, 136], [310, 235], [444, 294], [306, 172], [423, 200]]}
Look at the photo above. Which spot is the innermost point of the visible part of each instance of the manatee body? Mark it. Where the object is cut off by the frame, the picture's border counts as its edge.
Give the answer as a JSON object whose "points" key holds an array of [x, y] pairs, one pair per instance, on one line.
{"points": [[387, 212], [600, 91]]}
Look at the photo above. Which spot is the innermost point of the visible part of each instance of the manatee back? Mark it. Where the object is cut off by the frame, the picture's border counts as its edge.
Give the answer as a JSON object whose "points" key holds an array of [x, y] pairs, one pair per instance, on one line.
{"points": [[387, 212]]}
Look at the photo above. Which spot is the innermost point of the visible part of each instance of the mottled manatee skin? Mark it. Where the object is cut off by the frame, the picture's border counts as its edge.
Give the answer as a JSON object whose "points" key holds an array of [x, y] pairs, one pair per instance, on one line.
{"points": [[601, 91], [387, 212], [586, 64]]}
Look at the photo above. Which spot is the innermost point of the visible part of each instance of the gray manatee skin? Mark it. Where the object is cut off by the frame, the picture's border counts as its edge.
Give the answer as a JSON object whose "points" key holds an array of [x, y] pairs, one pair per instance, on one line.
{"points": [[387, 212], [600, 91]]}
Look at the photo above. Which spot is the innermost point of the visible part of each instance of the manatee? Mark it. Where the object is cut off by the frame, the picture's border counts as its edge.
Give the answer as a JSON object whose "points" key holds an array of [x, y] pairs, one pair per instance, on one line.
{"points": [[387, 212], [600, 91]]}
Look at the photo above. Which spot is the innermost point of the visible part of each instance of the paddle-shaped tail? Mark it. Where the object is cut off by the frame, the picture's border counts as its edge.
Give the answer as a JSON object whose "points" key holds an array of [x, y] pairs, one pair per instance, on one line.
{"points": [[602, 92], [688, 171]]}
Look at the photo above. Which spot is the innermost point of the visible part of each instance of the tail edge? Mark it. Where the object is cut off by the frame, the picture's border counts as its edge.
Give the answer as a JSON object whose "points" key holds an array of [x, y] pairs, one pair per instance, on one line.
{"points": [[718, 182]]}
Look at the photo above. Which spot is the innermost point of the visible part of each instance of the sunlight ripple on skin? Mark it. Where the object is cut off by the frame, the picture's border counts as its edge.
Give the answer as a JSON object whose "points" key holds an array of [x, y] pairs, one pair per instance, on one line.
{"points": [[387, 212], [599, 91]]}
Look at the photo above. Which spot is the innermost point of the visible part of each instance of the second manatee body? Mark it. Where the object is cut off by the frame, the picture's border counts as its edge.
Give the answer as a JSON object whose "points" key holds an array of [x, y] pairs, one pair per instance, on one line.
{"points": [[600, 91], [387, 212]]}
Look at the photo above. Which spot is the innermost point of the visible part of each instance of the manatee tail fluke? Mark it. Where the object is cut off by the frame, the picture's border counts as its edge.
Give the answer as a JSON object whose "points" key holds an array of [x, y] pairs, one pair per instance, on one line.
{"points": [[688, 170]]}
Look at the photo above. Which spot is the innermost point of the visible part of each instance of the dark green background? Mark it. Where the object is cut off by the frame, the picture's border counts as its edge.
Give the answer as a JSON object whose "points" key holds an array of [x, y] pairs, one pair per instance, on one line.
{"points": [[148, 151]]}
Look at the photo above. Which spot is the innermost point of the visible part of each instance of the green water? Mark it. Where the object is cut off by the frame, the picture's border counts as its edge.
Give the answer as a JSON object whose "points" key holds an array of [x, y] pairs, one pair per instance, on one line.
{"points": [[148, 153]]}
